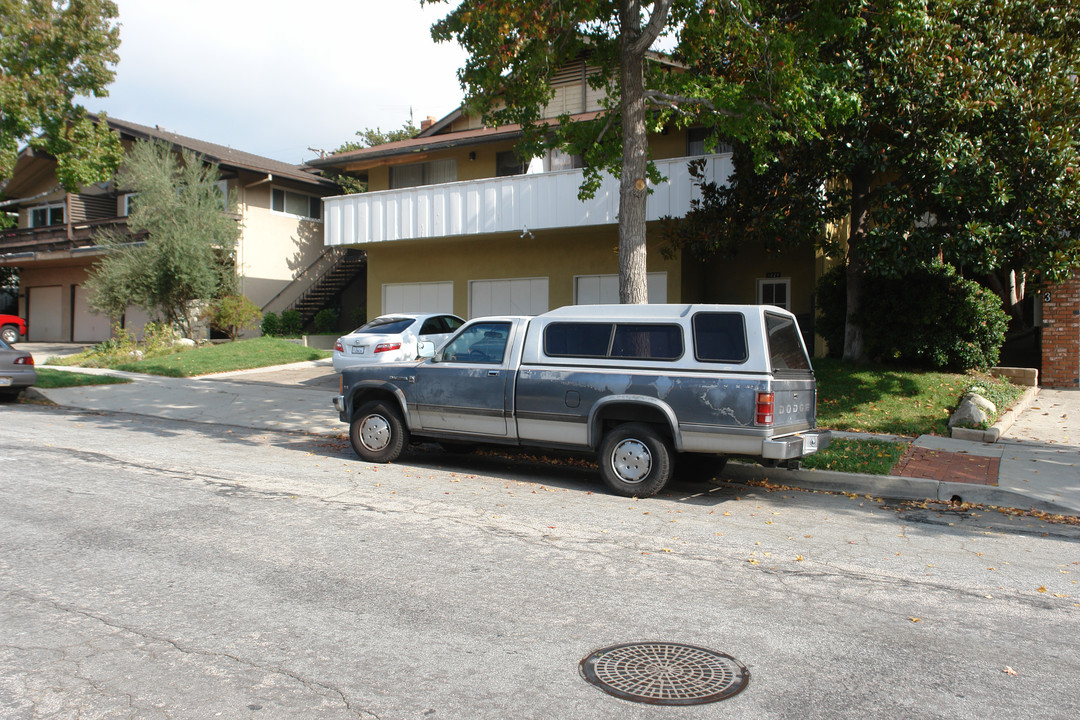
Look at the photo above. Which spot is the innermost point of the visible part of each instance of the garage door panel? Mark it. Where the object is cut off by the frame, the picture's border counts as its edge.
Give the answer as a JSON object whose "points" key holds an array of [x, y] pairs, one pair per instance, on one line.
{"points": [[45, 313], [517, 296], [88, 326], [418, 297]]}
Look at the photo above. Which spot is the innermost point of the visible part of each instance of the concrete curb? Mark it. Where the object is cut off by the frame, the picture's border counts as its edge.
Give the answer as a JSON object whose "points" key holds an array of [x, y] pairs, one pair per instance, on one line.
{"points": [[1006, 421], [891, 487]]}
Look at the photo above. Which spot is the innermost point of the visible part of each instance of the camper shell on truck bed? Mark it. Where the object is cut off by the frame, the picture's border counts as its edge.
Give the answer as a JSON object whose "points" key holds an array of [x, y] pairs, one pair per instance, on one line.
{"points": [[641, 385]]}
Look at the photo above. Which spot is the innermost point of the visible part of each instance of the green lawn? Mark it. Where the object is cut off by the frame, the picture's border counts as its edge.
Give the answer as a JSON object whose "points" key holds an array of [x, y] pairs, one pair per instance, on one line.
{"points": [[872, 457], [49, 378], [897, 402], [239, 355]]}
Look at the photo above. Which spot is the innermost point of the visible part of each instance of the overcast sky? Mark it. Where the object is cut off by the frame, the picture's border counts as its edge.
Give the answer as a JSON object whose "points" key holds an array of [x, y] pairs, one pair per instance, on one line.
{"points": [[275, 78]]}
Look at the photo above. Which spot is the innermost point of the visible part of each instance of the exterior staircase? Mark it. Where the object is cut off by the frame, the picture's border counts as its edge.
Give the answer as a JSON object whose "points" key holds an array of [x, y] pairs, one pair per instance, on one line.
{"points": [[327, 287]]}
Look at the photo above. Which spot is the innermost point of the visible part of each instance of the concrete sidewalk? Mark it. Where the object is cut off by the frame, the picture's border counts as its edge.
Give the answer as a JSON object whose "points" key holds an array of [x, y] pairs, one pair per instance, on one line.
{"points": [[1036, 464]]}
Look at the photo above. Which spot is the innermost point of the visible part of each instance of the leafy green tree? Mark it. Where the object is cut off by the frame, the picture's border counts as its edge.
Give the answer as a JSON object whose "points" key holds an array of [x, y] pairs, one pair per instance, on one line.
{"points": [[187, 257], [51, 52], [234, 314], [783, 91], [369, 138], [965, 150]]}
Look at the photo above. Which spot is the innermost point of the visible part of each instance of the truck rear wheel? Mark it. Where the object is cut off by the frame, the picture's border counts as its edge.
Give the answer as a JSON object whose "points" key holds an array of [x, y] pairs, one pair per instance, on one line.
{"points": [[378, 433], [10, 334], [635, 461]]}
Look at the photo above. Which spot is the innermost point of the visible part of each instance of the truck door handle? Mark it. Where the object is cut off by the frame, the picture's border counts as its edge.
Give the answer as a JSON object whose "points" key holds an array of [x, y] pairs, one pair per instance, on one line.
{"points": [[493, 373]]}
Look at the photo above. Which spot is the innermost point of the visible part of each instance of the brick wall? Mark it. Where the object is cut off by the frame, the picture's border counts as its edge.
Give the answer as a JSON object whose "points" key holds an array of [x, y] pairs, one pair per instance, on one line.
{"points": [[1061, 334]]}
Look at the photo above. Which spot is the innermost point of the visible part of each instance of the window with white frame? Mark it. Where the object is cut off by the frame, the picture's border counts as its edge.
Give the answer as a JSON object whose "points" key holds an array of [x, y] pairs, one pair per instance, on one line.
{"points": [[433, 172], [774, 291], [45, 215], [604, 289], [295, 203], [699, 141]]}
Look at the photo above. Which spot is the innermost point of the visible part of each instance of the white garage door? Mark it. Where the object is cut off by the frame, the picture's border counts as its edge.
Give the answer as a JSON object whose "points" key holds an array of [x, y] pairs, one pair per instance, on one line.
{"points": [[46, 309], [520, 296], [418, 297], [135, 319], [89, 327], [604, 289]]}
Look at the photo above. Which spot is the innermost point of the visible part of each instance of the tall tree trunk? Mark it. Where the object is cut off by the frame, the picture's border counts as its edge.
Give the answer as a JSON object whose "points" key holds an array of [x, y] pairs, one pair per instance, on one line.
{"points": [[1011, 291], [854, 349], [633, 190]]}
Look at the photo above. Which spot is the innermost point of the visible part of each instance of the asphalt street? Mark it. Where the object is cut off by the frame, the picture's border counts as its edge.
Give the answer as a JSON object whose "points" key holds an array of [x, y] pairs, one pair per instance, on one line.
{"points": [[152, 568]]}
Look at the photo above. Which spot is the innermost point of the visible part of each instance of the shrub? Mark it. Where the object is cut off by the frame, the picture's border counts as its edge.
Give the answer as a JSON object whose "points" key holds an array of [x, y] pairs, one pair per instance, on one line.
{"points": [[291, 323], [233, 314], [929, 317], [326, 321], [359, 316], [271, 324]]}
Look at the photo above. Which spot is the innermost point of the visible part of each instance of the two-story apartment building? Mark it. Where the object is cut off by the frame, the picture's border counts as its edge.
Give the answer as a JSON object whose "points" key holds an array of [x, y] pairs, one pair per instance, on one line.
{"points": [[279, 209], [453, 221]]}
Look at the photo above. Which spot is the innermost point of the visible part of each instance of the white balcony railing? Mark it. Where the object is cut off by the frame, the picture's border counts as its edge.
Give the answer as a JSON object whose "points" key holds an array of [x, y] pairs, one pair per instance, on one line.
{"points": [[506, 204]]}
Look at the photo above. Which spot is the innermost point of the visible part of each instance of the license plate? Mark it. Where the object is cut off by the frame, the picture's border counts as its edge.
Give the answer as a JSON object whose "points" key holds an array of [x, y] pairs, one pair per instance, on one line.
{"points": [[5, 381], [809, 444], [357, 350]]}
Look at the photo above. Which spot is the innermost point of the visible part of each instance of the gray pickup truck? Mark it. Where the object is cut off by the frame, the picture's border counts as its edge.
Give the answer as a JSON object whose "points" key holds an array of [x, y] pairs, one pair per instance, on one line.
{"points": [[640, 385]]}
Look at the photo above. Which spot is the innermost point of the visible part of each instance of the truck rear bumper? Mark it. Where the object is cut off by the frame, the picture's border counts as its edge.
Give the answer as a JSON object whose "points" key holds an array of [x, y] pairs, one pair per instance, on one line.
{"points": [[796, 446]]}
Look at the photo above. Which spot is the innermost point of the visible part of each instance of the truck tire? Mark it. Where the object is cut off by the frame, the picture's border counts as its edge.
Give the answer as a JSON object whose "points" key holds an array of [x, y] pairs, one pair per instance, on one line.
{"points": [[635, 461], [10, 334], [378, 433]]}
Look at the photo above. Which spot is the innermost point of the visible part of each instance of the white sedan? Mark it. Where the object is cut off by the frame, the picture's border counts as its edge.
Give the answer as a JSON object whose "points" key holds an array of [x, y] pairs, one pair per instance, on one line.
{"points": [[392, 338]]}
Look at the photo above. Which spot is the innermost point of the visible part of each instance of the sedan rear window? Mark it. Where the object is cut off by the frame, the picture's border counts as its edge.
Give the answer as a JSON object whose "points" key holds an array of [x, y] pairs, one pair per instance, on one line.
{"points": [[387, 326]]}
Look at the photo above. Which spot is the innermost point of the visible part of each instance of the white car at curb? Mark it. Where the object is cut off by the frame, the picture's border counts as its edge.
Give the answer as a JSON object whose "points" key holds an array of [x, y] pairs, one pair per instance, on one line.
{"points": [[393, 338]]}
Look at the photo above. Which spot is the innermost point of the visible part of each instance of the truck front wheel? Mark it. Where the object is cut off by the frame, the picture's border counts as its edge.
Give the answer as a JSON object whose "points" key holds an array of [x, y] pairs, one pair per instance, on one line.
{"points": [[635, 461], [378, 433]]}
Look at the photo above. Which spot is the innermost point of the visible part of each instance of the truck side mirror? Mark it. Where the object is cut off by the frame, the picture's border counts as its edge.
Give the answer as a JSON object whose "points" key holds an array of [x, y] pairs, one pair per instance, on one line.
{"points": [[425, 349]]}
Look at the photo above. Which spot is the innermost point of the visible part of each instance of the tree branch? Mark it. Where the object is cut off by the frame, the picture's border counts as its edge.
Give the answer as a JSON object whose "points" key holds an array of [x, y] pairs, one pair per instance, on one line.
{"points": [[657, 21]]}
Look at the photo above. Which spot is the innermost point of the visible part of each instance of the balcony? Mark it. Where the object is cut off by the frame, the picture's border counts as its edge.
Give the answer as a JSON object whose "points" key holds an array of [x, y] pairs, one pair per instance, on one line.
{"points": [[507, 204], [22, 244]]}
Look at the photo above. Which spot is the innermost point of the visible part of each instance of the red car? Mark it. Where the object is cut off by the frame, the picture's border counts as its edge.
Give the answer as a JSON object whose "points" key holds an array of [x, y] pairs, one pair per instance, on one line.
{"points": [[12, 327]]}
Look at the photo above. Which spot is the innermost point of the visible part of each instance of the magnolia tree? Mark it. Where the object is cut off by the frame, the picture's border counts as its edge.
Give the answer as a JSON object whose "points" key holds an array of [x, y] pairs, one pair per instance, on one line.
{"points": [[965, 150], [786, 88]]}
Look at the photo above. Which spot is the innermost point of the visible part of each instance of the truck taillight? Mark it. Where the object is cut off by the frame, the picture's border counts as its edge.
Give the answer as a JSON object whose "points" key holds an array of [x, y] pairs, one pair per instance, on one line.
{"points": [[387, 347], [766, 403]]}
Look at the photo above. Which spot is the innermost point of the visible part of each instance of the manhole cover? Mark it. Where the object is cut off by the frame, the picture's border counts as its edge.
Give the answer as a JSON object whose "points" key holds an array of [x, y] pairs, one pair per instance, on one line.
{"points": [[665, 673]]}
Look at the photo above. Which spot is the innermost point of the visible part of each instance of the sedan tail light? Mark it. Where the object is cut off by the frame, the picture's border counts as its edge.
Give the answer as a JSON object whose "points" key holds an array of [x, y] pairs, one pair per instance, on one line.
{"points": [[24, 360], [766, 403], [387, 347], [338, 347]]}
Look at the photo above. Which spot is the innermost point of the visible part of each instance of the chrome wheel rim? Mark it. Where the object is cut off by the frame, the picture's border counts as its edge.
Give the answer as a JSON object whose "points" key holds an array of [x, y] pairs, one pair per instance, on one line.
{"points": [[375, 432], [631, 461]]}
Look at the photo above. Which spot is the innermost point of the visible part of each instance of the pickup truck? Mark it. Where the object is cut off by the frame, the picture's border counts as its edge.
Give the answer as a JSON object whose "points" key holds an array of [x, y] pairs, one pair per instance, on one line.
{"points": [[639, 385]]}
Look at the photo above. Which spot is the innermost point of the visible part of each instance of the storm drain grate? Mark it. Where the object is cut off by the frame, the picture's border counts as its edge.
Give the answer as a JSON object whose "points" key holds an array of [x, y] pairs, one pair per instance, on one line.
{"points": [[665, 673]]}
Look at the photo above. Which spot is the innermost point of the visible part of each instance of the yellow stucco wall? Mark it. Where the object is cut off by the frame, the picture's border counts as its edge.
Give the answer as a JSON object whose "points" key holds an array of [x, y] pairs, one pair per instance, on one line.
{"points": [[558, 255]]}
